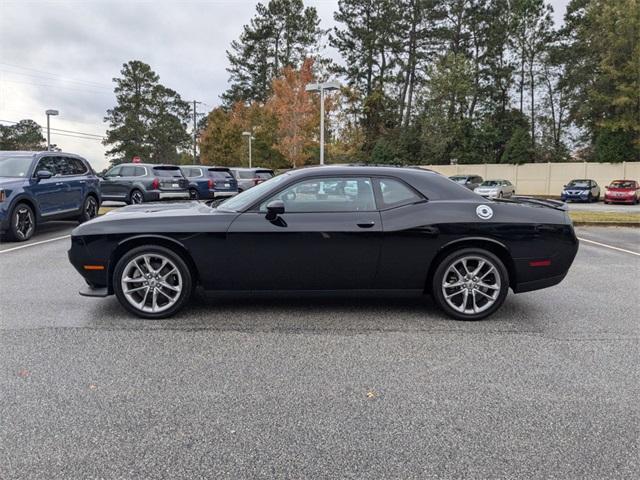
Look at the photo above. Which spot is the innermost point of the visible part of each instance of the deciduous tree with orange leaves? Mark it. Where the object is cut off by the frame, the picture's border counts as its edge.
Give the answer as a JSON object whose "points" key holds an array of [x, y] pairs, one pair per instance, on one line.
{"points": [[297, 112]]}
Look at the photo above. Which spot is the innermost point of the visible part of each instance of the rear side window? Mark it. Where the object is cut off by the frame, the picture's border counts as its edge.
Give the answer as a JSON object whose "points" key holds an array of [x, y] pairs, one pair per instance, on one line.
{"points": [[139, 171], [167, 172], [75, 166], [220, 175], [395, 193], [128, 171]]}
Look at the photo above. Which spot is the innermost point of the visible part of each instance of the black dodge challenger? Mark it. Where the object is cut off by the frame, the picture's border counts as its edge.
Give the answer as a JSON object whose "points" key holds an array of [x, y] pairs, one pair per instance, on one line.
{"points": [[330, 228]]}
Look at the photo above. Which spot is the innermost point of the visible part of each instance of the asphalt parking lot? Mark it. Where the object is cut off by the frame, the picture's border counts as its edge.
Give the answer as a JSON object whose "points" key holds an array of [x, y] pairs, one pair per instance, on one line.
{"points": [[315, 387]]}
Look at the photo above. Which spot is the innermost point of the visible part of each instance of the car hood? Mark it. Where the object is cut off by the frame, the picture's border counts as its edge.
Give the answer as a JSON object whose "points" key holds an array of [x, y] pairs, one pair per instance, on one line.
{"points": [[175, 217], [6, 182]]}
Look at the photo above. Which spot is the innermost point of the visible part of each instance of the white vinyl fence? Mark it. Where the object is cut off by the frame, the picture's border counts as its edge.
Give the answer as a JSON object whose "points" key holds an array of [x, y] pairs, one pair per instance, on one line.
{"points": [[545, 178]]}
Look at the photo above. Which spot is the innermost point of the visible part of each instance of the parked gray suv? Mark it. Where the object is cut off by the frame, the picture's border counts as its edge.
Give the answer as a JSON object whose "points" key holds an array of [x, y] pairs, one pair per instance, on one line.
{"points": [[250, 177], [470, 181], [141, 182]]}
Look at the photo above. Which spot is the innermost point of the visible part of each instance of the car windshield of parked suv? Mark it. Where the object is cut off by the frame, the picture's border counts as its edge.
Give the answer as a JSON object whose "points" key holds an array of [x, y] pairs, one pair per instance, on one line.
{"points": [[622, 185], [249, 197], [167, 172], [491, 183], [578, 183], [15, 165]]}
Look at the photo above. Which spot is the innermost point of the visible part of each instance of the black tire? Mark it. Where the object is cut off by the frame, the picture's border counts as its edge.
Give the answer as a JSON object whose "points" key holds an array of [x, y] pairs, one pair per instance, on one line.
{"points": [[193, 194], [181, 266], [136, 197], [22, 223], [90, 209], [456, 256], [590, 198]]}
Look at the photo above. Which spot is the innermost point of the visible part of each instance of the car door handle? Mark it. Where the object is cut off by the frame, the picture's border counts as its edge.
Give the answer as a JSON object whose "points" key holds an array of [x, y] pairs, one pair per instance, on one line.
{"points": [[366, 224]]}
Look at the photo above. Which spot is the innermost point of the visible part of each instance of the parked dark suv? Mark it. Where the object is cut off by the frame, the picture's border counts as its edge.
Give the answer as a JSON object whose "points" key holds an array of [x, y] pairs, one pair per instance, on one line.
{"points": [[142, 182], [40, 186], [250, 177], [210, 182]]}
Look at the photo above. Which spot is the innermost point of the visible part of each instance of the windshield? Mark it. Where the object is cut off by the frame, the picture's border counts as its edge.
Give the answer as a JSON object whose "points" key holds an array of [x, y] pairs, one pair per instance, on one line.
{"points": [[491, 183], [623, 185], [15, 165], [578, 183], [249, 197], [167, 172]]}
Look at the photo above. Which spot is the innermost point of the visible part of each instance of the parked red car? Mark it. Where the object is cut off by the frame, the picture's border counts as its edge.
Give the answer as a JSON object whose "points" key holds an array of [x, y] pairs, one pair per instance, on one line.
{"points": [[622, 191]]}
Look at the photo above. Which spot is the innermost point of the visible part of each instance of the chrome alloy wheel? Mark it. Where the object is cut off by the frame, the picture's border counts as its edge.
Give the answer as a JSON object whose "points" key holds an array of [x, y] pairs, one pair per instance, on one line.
{"points": [[151, 283], [471, 285], [24, 222]]}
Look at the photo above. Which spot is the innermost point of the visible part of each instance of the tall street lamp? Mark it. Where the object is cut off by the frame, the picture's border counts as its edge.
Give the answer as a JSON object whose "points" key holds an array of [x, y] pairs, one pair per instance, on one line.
{"points": [[250, 136], [322, 87], [50, 113]]}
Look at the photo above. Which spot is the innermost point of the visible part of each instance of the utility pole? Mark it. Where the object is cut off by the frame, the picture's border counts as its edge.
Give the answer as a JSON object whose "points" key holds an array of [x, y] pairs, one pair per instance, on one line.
{"points": [[196, 161], [195, 131], [321, 88]]}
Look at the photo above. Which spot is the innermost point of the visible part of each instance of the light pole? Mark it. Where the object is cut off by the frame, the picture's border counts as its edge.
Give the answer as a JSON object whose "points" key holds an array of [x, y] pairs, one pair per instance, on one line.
{"points": [[50, 113], [322, 87], [250, 136]]}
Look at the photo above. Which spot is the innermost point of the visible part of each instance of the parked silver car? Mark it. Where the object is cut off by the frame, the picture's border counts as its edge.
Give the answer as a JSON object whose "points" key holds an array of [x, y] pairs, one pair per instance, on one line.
{"points": [[250, 177], [496, 189]]}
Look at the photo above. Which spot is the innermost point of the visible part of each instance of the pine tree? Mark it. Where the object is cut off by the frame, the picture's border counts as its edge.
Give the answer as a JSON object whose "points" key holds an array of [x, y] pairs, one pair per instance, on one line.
{"points": [[282, 33], [149, 120], [24, 135]]}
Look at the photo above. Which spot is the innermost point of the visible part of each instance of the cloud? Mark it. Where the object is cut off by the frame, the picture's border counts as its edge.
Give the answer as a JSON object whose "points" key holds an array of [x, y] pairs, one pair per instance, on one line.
{"points": [[64, 54]]}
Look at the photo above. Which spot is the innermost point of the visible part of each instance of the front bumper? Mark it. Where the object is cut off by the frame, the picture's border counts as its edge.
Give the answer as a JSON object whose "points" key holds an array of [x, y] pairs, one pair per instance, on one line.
{"points": [[616, 199], [575, 198]]}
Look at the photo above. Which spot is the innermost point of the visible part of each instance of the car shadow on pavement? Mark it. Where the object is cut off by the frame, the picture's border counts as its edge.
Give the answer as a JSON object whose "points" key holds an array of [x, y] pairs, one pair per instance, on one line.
{"points": [[344, 314]]}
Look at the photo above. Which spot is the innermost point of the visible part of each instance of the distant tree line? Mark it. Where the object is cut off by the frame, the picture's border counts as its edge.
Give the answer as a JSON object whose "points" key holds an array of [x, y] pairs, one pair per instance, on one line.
{"points": [[424, 82], [23, 135]]}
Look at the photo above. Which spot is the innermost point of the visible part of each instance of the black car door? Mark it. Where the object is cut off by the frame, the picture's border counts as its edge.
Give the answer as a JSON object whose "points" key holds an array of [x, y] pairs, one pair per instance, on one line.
{"points": [[328, 238], [410, 240]]}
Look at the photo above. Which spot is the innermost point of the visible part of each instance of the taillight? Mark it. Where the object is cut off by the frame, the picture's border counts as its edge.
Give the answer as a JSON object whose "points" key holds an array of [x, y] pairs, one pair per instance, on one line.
{"points": [[256, 181], [212, 184], [155, 185], [3, 196]]}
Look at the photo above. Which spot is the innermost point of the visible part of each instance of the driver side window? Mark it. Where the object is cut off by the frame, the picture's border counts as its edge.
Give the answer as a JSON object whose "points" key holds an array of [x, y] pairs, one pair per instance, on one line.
{"points": [[114, 172], [49, 164], [327, 195]]}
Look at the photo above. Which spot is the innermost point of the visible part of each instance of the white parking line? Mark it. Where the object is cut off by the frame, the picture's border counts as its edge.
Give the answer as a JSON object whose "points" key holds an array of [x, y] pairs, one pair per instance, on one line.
{"points": [[13, 249], [609, 246]]}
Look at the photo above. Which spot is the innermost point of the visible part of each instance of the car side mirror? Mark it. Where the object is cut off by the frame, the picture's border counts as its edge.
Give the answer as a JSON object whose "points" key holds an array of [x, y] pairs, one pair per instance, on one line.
{"points": [[43, 174], [274, 209]]}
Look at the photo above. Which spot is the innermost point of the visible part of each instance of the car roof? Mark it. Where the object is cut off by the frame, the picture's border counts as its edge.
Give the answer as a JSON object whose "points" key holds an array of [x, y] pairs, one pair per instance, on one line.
{"points": [[26, 153], [151, 165], [252, 168]]}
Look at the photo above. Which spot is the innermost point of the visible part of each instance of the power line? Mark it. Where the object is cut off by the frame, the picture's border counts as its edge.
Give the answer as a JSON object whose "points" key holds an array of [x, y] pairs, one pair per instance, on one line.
{"points": [[51, 74], [57, 130], [75, 89]]}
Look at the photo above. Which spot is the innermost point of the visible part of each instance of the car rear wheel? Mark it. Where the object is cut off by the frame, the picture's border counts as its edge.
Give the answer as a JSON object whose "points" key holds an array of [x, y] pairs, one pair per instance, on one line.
{"points": [[152, 282], [136, 197], [89, 209], [470, 284], [193, 194], [23, 223]]}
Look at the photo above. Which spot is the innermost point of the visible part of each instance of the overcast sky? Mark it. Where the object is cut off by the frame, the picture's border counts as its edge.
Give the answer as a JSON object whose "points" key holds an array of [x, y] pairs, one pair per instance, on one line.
{"points": [[63, 54]]}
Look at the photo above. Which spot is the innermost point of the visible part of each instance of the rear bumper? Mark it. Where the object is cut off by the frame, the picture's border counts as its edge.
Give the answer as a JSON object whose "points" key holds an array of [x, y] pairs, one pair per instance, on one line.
{"points": [[155, 195], [180, 195], [538, 284], [222, 194]]}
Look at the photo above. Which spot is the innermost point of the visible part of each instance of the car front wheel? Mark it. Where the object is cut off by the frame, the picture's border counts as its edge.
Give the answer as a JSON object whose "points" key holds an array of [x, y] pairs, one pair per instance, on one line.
{"points": [[152, 282], [470, 284], [23, 223]]}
